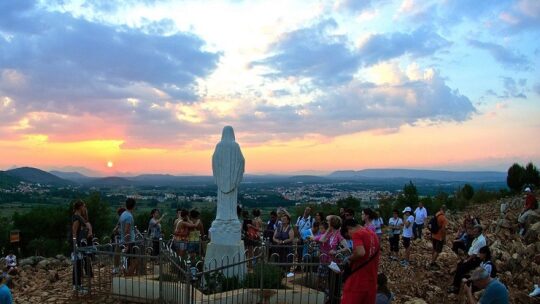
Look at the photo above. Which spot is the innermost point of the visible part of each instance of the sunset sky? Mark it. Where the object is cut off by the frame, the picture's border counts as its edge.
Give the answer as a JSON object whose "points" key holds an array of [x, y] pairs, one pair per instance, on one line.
{"points": [[142, 86]]}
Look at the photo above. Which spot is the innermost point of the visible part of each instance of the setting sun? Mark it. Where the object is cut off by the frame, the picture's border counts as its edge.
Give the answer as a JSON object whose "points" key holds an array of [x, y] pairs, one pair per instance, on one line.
{"points": [[110, 164]]}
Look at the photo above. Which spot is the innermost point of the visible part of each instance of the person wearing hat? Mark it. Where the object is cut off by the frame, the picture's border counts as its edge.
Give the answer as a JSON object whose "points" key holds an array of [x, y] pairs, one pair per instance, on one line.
{"points": [[531, 205], [408, 221], [5, 293], [471, 262], [494, 291]]}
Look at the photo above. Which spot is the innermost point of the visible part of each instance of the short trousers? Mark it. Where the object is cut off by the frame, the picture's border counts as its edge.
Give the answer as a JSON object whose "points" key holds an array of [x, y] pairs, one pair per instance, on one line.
{"points": [[193, 246], [180, 245]]}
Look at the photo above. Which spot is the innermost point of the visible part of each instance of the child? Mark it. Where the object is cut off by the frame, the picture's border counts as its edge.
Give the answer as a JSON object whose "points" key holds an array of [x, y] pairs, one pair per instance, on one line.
{"points": [[485, 255]]}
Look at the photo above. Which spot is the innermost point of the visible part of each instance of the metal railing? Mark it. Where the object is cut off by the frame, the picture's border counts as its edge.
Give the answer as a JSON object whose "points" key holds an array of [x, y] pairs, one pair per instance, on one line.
{"points": [[131, 272]]}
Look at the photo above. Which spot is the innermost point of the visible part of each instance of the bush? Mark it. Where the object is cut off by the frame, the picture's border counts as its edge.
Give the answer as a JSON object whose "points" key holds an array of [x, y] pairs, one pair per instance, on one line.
{"points": [[514, 179], [483, 196], [271, 277]]}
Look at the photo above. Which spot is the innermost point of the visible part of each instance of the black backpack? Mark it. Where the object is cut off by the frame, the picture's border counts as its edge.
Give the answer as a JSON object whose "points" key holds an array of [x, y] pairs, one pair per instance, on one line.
{"points": [[433, 224]]}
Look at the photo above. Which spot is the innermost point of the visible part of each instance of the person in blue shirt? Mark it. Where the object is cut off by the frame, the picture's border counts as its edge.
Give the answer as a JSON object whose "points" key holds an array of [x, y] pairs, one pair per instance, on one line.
{"points": [[494, 291], [127, 234], [5, 293]]}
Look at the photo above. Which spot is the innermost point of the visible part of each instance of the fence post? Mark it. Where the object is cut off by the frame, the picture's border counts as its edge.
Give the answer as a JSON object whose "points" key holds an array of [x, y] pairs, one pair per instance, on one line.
{"points": [[187, 284], [261, 272], [160, 272]]}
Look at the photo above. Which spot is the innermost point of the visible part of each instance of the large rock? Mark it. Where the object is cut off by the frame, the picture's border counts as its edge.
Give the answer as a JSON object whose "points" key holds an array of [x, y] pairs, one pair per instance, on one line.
{"points": [[532, 219], [27, 262], [416, 301], [533, 234]]}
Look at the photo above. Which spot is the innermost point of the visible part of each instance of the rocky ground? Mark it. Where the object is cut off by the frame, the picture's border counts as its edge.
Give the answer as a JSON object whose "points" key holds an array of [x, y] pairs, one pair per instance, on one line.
{"points": [[517, 259]]}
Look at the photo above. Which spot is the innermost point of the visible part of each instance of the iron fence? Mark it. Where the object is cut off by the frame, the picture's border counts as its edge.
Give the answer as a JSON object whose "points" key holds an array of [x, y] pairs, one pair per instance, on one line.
{"points": [[132, 272]]}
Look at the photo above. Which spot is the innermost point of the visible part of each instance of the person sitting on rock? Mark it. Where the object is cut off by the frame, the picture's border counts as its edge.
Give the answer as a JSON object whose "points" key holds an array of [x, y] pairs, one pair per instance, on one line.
{"points": [[465, 235], [494, 291], [384, 296], [531, 204], [471, 262], [485, 256], [11, 264]]}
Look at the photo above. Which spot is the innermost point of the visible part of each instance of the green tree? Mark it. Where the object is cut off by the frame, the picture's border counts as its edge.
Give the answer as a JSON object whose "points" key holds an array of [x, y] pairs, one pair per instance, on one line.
{"points": [[100, 215], [514, 179], [5, 228], [349, 202], [530, 175], [466, 192], [409, 196], [41, 227], [440, 199], [386, 207]]}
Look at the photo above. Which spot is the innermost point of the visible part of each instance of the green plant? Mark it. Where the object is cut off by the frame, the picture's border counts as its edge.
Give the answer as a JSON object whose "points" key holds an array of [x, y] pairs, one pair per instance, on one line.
{"points": [[271, 276], [514, 179]]}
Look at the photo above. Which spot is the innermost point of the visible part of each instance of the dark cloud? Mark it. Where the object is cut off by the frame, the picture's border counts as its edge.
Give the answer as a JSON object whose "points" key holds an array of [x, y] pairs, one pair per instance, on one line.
{"points": [[328, 59], [442, 14], [536, 88], [514, 88], [16, 16], [524, 15], [357, 6], [362, 107], [314, 53], [381, 47], [503, 55], [77, 64]]}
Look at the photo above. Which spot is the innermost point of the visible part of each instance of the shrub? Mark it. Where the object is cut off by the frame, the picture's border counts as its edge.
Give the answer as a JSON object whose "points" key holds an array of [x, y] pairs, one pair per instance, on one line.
{"points": [[271, 276]]}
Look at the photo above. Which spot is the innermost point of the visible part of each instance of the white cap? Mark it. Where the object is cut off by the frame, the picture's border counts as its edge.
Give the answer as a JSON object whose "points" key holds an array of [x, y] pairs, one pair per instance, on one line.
{"points": [[407, 209], [527, 189]]}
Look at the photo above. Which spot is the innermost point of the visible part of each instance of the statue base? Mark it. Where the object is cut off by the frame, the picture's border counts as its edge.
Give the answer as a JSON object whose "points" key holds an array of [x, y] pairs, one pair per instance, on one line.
{"points": [[222, 255]]}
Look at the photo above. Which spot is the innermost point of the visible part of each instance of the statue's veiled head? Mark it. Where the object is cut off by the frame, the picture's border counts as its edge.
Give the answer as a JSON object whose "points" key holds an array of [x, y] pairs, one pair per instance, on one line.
{"points": [[228, 134]]}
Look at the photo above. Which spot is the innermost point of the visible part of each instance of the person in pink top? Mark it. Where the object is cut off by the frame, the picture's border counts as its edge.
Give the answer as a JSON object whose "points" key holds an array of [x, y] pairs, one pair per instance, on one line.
{"points": [[332, 247], [368, 216]]}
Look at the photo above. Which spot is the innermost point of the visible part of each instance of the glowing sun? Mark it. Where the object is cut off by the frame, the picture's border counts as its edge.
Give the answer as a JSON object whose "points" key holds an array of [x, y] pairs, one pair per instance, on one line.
{"points": [[110, 164]]}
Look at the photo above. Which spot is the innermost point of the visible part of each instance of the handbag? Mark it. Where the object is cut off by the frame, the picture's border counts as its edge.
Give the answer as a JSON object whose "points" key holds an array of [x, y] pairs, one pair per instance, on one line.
{"points": [[347, 271]]}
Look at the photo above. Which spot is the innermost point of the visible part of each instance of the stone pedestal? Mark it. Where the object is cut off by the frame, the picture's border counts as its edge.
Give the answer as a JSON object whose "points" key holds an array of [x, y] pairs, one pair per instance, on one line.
{"points": [[226, 248]]}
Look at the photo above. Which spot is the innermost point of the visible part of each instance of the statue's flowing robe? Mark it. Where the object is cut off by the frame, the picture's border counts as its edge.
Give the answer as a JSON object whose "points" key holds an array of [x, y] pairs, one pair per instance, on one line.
{"points": [[228, 168]]}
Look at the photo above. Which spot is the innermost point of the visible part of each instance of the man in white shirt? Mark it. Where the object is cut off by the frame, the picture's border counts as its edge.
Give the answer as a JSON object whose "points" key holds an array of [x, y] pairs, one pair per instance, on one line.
{"points": [[11, 264], [420, 216], [471, 262], [408, 221]]}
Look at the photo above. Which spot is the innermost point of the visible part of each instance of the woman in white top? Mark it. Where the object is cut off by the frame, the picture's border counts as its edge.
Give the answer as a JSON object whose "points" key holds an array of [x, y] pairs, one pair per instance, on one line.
{"points": [[408, 221], [395, 223]]}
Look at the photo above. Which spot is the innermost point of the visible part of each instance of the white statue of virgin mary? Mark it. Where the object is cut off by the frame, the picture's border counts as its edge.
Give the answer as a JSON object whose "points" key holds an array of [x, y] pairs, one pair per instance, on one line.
{"points": [[226, 246], [228, 169]]}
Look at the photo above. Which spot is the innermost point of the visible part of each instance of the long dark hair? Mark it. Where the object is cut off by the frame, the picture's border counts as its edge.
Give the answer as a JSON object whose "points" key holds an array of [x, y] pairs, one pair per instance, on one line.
{"points": [[77, 205], [485, 250]]}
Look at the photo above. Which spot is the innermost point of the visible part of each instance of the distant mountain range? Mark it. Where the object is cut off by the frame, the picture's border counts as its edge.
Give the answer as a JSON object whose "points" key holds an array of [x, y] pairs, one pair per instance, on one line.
{"points": [[438, 175], [34, 175], [60, 178]]}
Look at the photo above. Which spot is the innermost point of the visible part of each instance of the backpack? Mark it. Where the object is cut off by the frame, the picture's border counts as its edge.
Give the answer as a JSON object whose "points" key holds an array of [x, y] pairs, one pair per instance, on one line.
{"points": [[433, 224]]}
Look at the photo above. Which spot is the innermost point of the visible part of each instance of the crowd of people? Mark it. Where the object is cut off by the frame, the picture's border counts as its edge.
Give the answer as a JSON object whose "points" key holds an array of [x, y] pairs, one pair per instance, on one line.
{"points": [[344, 246]]}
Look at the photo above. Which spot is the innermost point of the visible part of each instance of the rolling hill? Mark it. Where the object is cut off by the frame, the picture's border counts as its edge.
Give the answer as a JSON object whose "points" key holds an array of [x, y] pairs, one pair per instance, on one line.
{"points": [[7, 181], [34, 175]]}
